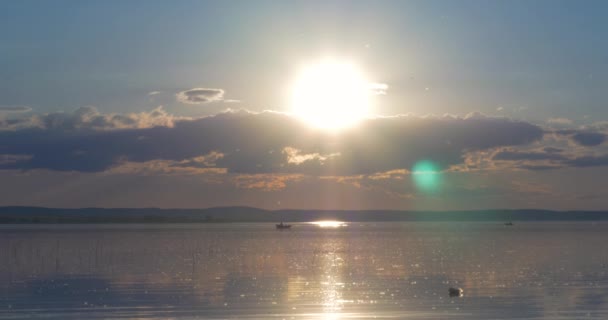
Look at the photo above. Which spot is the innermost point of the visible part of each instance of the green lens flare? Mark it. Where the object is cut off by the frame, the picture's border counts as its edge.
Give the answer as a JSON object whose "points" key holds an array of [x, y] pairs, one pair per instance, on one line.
{"points": [[427, 176]]}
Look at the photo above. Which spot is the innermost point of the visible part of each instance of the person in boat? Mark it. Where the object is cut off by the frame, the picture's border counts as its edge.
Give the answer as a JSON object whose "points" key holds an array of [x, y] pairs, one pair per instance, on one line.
{"points": [[456, 292], [283, 226]]}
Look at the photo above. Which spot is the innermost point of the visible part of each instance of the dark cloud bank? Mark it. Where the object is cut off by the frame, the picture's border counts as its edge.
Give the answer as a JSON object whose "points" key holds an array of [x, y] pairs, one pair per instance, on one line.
{"points": [[244, 142], [589, 138]]}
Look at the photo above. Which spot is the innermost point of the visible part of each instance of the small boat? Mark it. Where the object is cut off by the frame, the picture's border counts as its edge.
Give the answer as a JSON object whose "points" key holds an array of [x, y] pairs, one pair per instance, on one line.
{"points": [[455, 292], [282, 226], [508, 223]]}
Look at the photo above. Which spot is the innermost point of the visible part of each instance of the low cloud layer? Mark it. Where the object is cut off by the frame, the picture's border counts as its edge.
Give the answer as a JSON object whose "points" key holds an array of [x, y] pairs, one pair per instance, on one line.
{"points": [[251, 143], [89, 118], [271, 159], [200, 95]]}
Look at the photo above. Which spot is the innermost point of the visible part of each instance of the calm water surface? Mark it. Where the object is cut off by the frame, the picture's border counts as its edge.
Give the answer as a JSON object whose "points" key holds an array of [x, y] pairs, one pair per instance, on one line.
{"points": [[252, 271]]}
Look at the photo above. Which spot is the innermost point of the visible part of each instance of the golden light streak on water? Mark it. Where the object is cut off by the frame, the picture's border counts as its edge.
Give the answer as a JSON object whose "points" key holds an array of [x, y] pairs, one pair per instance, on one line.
{"points": [[330, 223]]}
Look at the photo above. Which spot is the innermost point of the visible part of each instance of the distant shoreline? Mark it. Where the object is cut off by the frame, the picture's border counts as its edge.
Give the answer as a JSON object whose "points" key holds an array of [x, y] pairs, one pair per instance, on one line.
{"points": [[41, 215]]}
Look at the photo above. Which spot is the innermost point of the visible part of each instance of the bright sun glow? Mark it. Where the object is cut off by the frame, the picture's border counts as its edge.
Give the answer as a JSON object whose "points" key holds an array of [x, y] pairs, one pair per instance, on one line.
{"points": [[331, 95], [329, 224]]}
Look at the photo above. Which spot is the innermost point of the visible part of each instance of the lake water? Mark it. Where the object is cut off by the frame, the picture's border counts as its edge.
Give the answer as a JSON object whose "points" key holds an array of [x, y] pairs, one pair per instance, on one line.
{"points": [[252, 271]]}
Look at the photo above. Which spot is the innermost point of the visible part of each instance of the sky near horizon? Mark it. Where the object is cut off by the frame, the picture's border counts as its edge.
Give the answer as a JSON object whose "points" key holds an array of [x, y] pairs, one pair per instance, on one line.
{"points": [[426, 105]]}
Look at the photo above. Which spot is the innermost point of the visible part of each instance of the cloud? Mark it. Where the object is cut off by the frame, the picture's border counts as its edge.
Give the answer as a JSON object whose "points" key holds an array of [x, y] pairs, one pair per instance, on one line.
{"points": [[559, 121], [203, 164], [586, 136], [589, 139], [88, 118], [378, 88], [13, 158], [535, 159], [589, 161], [513, 155], [255, 143], [552, 150], [599, 126], [200, 95], [153, 93], [204, 161], [295, 156], [15, 109], [523, 158], [266, 182], [163, 167]]}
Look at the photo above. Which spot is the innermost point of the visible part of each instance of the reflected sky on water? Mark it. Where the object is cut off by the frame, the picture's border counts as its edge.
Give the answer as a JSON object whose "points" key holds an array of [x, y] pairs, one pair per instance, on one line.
{"points": [[356, 271]]}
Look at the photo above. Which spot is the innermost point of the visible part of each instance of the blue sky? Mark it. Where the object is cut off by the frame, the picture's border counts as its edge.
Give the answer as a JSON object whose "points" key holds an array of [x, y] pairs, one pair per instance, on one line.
{"points": [[547, 57], [544, 63]]}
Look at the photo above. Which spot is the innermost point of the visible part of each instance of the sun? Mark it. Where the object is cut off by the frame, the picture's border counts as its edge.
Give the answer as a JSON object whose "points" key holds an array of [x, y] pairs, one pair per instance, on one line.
{"points": [[331, 95]]}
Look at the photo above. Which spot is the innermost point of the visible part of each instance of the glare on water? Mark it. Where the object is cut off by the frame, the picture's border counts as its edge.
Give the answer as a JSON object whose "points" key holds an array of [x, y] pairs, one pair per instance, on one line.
{"points": [[329, 223], [253, 271]]}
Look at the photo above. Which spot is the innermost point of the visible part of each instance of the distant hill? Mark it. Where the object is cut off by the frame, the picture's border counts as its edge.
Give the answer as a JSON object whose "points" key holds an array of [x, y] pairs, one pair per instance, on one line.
{"points": [[248, 214]]}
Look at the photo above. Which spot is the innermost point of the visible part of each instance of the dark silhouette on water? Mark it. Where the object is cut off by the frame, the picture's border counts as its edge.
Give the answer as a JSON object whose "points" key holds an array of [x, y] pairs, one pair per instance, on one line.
{"points": [[508, 223], [455, 292], [282, 226]]}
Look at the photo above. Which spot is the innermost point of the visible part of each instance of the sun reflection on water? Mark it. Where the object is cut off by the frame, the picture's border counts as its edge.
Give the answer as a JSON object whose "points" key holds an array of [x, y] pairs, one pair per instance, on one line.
{"points": [[331, 316], [331, 281], [329, 223]]}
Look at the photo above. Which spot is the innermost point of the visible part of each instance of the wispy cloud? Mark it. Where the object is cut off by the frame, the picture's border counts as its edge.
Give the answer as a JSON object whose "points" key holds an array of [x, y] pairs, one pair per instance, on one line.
{"points": [[560, 121], [89, 118], [15, 109], [266, 182], [534, 159], [378, 88], [297, 157], [200, 95], [186, 167]]}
